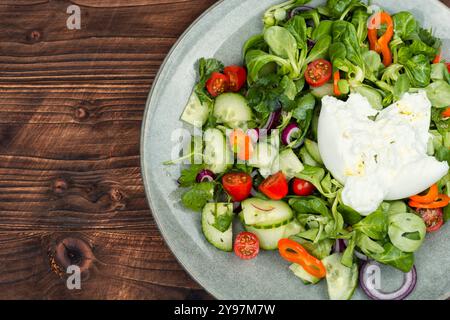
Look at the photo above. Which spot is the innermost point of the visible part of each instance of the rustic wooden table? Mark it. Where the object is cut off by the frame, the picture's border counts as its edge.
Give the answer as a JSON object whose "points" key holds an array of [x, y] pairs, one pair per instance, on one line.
{"points": [[71, 105]]}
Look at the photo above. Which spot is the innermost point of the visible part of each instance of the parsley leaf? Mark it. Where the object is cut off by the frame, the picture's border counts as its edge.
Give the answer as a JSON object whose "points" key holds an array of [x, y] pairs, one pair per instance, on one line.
{"points": [[196, 198], [189, 175], [205, 68], [270, 93], [222, 222]]}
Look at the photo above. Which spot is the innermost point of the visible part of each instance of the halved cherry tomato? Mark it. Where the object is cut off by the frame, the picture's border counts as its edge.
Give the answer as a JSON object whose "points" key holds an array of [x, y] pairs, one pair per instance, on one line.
{"points": [[275, 186], [446, 113], [237, 77], [241, 144], [433, 218], [431, 195], [217, 84], [294, 252], [336, 78], [246, 245], [318, 72], [302, 187], [237, 185]]}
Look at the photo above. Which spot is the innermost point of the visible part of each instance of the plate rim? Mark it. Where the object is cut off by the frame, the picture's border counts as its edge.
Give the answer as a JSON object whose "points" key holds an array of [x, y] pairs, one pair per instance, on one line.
{"points": [[144, 126]]}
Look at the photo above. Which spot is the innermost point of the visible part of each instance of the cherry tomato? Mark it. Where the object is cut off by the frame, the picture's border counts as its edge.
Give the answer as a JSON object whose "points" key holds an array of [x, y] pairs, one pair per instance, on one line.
{"points": [[275, 186], [302, 187], [217, 84], [433, 218], [448, 66], [246, 245], [237, 185], [237, 77], [318, 72]]}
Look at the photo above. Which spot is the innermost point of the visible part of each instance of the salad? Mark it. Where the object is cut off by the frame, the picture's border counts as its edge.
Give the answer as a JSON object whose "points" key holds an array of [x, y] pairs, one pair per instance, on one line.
{"points": [[330, 145]]}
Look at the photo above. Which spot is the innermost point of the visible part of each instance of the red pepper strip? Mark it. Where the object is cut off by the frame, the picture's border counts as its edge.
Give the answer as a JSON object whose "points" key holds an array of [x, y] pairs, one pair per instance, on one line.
{"points": [[336, 78], [294, 252], [381, 45], [441, 201], [446, 113], [438, 57], [429, 197]]}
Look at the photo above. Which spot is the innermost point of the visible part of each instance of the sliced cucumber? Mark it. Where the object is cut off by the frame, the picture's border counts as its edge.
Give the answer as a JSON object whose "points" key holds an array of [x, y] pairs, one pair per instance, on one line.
{"points": [[216, 154], [325, 90], [303, 275], [196, 112], [263, 155], [313, 150], [289, 163], [232, 109], [341, 280], [306, 158], [268, 238], [263, 213], [220, 240]]}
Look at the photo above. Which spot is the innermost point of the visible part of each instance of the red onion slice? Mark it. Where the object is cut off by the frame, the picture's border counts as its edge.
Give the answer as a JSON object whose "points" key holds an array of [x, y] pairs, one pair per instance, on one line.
{"points": [[287, 136], [272, 121], [365, 277], [339, 246], [205, 176]]}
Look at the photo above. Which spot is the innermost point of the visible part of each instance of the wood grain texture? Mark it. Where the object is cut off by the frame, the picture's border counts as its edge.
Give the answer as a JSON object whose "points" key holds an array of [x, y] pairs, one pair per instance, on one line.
{"points": [[71, 106]]}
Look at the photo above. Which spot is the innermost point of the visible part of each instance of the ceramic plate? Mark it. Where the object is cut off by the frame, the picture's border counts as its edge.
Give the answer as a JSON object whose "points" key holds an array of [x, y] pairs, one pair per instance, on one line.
{"points": [[220, 32]]}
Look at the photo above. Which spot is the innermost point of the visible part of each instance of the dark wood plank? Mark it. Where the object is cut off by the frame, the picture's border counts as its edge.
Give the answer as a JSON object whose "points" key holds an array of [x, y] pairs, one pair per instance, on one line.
{"points": [[71, 106]]}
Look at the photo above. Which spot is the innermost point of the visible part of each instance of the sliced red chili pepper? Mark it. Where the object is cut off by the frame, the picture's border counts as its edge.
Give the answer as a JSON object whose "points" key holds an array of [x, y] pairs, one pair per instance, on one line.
{"points": [[294, 252], [381, 45], [431, 195]]}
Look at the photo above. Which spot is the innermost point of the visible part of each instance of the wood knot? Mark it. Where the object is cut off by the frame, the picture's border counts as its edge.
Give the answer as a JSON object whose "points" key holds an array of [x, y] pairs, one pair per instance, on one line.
{"points": [[81, 113], [116, 195], [60, 186], [73, 251], [34, 36]]}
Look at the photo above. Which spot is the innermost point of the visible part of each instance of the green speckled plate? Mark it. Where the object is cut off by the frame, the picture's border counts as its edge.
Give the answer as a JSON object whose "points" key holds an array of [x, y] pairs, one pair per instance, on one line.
{"points": [[220, 32]]}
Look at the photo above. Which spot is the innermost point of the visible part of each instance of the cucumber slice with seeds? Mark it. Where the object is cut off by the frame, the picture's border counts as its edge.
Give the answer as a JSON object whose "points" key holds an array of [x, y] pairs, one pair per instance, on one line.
{"points": [[221, 240]]}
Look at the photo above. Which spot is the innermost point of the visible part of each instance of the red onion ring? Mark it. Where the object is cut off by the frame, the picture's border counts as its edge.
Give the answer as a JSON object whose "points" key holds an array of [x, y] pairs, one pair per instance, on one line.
{"points": [[404, 291], [286, 135], [339, 246], [272, 121], [205, 176]]}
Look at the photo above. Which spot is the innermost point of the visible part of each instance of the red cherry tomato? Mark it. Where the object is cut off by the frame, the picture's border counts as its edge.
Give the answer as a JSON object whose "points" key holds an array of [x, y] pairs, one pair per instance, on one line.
{"points": [[237, 185], [275, 186], [302, 187], [318, 72], [433, 218], [237, 77], [448, 66], [217, 84], [246, 245]]}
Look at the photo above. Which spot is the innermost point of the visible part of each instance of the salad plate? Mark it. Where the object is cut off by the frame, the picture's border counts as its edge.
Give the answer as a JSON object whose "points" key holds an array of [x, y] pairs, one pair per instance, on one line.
{"points": [[221, 33]]}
